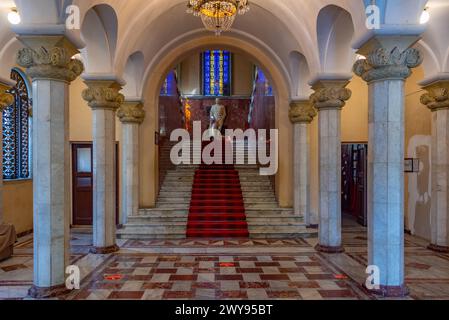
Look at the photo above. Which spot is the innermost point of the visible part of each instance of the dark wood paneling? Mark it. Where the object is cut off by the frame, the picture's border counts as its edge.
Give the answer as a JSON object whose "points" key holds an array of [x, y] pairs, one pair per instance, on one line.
{"points": [[82, 187]]}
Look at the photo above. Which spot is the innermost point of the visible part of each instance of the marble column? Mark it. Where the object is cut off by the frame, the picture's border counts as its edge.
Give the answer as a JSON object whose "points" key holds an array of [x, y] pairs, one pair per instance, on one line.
{"points": [[104, 98], [329, 98], [301, 115], [48, 63], [6, 100], [437, 100], [385, 70], [131, 114]]}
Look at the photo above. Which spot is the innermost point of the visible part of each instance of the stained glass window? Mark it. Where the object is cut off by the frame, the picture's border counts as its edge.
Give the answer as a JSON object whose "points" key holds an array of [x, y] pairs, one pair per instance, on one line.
{"points": [[262, 78], [16, 131], [217, 73], [169, 85]]}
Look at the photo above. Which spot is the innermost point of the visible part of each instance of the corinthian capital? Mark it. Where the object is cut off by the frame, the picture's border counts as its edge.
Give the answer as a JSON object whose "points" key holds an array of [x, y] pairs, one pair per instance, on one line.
{"points": [[301, 112], [6, 99], [131, 112], [437, 96], [330, 97], [50, 63], [382, 64], [103, 95]]}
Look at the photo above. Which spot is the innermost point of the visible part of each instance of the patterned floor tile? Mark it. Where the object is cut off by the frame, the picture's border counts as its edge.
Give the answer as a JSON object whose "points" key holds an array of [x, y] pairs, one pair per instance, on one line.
{"points": [[207, 270]]}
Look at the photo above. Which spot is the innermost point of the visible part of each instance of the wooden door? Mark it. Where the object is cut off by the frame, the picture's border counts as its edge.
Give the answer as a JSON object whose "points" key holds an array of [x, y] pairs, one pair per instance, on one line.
{"points": [[354, 181], [82, 182], [361, 188]]}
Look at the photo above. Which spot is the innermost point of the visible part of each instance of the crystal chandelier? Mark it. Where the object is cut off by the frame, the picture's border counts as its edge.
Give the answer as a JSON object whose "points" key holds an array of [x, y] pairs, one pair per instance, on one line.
{"points": [[217, 15]]}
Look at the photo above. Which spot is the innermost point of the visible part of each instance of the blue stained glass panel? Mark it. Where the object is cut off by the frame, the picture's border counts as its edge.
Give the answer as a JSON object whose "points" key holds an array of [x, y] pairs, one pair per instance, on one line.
{"points": [[168, 87], [263, 79], [216, 73]]}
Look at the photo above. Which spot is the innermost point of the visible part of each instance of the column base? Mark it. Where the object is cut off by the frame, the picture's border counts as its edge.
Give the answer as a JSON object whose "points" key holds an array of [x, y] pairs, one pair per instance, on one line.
{"points": [[389, 291], [104, 250], [437, 248], [36, 292], [329, 249]]}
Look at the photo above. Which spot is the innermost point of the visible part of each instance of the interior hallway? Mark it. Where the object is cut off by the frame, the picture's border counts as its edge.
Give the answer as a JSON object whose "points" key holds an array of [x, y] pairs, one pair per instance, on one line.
{"points": [[234, 269]]}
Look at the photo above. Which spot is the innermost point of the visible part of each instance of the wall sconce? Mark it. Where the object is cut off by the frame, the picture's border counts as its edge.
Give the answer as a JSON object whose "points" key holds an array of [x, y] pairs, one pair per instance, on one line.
{"points": [[14, 16]]}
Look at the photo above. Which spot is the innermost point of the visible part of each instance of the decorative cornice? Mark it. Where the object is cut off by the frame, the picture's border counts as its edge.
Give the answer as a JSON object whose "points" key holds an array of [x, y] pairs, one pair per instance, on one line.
{"points": [[6, 99], [103, 95], [437, 96], [330, 97], [301, 112], [50, 63], [131, 113], [381, 64]]}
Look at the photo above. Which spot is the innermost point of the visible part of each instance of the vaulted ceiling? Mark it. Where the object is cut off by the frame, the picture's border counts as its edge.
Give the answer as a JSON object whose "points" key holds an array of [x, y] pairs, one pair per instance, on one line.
{"points": [[302, 37]]}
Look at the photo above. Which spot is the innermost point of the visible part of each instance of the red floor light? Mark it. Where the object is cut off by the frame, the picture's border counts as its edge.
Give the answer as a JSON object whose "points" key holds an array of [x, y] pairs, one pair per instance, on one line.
{"points": [[227, 264], [113, 277], [340, 276]]}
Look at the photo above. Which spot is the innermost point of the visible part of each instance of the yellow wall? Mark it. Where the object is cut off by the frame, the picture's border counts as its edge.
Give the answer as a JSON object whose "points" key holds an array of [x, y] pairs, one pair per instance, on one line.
{"points": [[242, 76], [354, 116], [81, 115], [354, 128], [190, 79], [81, 121], [18, 204]]}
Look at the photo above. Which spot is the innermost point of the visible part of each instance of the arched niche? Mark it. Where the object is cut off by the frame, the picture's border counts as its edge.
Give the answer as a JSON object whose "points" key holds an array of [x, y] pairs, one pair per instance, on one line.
{"points": [[335, 31], [99, 32], [133, 75], [300, 74]]}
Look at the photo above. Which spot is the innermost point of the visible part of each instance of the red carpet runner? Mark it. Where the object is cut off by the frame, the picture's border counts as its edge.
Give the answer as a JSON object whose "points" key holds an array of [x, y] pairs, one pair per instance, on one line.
{"points": [[217, 209]]}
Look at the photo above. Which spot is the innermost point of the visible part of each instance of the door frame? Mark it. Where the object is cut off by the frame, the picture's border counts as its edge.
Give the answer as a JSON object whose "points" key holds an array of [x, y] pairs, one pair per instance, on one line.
{"points": [[362, 220], [117, 180]]}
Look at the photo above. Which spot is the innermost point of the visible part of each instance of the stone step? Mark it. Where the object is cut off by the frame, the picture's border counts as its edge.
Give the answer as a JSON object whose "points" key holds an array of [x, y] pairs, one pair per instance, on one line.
{"points": [[175, 175], [267, 219], [275, 211], [250, 213], [246, 189], [169, 197], [170, 184], [265, 201], [162, 212], [281, 233], [179, 232], [178, 179], [248, 195], [141, 233], [177, 206], [237, 166], [261, 206]]}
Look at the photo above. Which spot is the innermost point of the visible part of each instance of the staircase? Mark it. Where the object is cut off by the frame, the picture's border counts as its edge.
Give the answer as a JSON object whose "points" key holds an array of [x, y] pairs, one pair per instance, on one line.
{"points": [[217, 209], [170, 217]]}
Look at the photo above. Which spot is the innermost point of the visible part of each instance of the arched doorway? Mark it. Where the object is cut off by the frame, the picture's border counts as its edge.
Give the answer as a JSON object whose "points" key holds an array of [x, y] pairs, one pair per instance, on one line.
{"points": [[156, 74]]}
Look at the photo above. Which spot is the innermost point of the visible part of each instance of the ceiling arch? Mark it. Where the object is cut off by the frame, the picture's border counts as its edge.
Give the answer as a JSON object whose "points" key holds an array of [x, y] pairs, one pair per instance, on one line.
{"points": [[295, 23], [156, 72]]}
